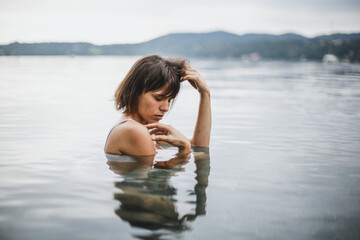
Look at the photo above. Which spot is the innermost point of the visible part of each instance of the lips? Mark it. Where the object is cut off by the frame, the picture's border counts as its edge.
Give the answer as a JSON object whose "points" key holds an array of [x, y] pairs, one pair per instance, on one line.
{"points": [[159, 117]]}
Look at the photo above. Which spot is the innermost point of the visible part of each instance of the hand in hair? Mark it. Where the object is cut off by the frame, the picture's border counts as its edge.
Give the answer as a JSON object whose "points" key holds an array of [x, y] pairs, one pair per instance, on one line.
{"points": [[195, 79]]}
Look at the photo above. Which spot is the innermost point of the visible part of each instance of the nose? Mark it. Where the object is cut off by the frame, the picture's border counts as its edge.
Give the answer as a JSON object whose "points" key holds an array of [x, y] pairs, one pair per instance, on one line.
{"points": [[164, 107]]}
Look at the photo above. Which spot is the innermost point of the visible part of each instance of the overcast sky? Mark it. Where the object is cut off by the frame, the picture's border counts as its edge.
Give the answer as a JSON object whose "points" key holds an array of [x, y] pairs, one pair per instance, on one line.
{"points": [[131, 21]]}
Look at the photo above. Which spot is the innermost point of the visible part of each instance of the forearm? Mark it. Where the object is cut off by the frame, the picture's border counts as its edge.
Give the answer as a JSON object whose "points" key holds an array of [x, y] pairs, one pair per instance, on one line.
{"points": [[201, 136], [184, 149]]}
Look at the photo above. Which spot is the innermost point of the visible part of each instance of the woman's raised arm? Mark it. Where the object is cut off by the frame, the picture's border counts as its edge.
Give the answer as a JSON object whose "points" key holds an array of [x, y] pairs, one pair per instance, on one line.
{"points": [[201, 136]]}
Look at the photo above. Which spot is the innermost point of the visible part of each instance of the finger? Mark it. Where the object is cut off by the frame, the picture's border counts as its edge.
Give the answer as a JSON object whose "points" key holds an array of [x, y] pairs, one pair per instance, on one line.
{"points": [[157, 125], [158, 132], [161, 133], [191, 77], [153, 131], [190, 68], [151, 125], [193, 84], [163, 138], [190, 72]]}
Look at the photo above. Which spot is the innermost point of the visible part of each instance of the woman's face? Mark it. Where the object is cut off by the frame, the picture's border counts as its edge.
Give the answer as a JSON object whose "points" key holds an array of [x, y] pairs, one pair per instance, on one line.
{"points": [[152, 106]]}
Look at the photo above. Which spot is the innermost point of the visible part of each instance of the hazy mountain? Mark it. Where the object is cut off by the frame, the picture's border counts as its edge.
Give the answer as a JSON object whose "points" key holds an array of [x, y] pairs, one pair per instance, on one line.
{"points": [[338, 36], [214, 44]]}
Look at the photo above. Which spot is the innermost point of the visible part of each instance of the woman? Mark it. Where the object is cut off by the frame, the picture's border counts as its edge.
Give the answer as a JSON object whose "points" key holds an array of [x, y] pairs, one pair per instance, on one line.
{"points": [[144, 96]]}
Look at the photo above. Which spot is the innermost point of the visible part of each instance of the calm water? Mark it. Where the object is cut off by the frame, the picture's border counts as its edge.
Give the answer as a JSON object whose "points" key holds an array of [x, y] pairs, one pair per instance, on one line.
{"points": [[284, 160]]}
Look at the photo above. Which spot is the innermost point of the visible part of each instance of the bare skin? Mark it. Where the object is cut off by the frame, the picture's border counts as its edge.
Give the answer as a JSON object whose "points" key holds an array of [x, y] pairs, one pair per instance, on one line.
{"points": [[138, 137], [201, 136]]}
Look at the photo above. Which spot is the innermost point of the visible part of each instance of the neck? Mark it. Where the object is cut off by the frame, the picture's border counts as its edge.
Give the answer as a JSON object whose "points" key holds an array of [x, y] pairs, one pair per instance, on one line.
{"points": [[136, 117]]}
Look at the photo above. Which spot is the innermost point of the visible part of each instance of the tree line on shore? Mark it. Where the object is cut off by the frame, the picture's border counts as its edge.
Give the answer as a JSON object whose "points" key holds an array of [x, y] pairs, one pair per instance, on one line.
{"points": [[220, 44]]}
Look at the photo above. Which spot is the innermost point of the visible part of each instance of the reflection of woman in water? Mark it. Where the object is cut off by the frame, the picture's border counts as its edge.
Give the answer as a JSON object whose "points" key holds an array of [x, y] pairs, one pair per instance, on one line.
{"points": [[150, 201], [144, 96]]}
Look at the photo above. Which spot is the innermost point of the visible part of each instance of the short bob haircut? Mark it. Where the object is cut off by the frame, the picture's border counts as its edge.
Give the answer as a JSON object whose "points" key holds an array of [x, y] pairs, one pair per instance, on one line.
{"points": [[149, 73]]}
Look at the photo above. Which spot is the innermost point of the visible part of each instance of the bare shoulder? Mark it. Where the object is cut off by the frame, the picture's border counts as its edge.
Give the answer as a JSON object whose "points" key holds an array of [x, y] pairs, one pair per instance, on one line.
{"points": [[130, 138]]}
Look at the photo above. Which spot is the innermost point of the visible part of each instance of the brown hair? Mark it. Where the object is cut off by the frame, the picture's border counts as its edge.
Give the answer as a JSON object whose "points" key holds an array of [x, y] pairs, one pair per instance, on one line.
{"points": [[149, 73]]}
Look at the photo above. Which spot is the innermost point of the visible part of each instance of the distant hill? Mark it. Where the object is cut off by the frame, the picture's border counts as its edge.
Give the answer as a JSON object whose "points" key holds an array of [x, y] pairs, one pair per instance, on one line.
{"points": [[214, 44]]}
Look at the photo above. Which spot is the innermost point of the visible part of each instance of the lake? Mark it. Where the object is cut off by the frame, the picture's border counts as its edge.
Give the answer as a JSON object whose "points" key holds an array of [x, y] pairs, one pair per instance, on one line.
{"points": [[283, 163]]}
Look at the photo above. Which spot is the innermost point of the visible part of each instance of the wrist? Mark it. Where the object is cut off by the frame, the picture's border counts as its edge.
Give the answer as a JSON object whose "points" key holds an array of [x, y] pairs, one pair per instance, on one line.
{"points": [[205, 93], [185, 147]]}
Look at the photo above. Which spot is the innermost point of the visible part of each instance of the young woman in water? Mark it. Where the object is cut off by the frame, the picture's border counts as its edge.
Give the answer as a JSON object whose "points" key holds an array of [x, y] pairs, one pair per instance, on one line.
{"points": [[145, 96]]}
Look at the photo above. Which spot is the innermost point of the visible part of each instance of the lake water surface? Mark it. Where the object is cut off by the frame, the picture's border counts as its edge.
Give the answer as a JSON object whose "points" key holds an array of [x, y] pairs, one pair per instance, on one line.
{"points": [[284, 159]]}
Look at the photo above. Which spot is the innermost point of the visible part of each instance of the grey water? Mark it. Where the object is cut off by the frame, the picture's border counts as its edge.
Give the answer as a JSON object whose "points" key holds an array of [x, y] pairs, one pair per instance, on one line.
{"points": [[283, 163]]}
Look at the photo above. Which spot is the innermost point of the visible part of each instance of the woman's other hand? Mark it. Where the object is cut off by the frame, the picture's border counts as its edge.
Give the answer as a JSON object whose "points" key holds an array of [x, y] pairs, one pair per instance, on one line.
{"points": [[195, 79], [166, 133]]}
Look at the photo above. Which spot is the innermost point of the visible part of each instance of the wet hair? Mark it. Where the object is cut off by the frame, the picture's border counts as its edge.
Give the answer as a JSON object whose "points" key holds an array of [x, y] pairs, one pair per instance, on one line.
{"points": [[149, 73]]}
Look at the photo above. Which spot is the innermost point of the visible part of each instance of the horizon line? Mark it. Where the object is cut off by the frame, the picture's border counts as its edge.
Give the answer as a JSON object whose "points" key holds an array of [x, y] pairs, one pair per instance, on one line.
{"points": [[208, 32]]}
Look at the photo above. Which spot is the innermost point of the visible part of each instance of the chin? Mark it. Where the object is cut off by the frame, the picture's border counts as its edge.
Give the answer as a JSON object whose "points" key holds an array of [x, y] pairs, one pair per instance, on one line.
{"points": [[152, 121]]}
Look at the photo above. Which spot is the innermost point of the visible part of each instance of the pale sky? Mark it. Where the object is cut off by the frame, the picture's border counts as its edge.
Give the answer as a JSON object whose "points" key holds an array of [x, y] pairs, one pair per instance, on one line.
{"points": [[132, 21]]}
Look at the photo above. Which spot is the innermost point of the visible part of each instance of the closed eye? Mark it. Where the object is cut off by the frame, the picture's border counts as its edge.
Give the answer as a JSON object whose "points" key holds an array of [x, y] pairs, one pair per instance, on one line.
{"points": [[160, 98]]}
